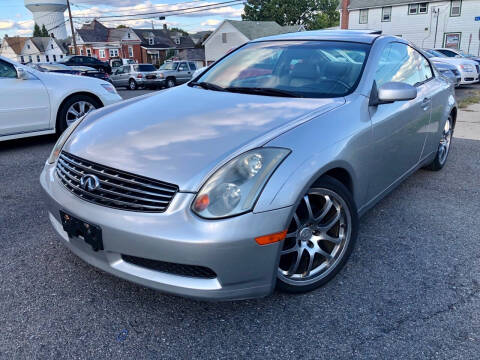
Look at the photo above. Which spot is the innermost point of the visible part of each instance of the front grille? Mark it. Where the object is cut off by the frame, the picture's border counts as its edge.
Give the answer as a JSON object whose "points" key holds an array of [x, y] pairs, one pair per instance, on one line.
{"points": [[194, 271], [469, 79], [118, 189]]}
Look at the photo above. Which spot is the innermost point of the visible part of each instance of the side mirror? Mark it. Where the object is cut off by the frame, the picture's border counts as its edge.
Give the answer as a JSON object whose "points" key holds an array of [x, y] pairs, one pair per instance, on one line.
{"points": [[395, 91], [22, 74]]}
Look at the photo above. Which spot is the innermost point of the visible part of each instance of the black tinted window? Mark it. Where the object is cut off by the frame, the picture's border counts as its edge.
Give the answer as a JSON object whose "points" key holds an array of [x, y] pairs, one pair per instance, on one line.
{"points": [[145, 68], [7, 70], [192, 66]]}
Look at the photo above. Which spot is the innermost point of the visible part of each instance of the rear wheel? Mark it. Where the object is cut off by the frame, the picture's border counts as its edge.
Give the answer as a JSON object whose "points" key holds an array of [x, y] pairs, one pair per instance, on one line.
{"points": [[132, 85], [443, 147], [73, 109], [320, 237]]}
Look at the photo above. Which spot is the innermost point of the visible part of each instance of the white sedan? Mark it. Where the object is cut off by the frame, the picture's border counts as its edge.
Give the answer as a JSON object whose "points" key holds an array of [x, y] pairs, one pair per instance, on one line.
{"points": [[467, 68], [38, 103]]}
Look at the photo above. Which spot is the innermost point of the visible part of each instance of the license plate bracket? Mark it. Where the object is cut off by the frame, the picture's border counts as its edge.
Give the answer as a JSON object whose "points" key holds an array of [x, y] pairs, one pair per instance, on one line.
{"points": [[91, 234]]}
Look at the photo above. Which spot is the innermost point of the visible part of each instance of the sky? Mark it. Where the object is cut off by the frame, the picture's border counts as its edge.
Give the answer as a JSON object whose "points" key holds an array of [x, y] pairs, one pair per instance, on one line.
{"points": [[15, 19]]}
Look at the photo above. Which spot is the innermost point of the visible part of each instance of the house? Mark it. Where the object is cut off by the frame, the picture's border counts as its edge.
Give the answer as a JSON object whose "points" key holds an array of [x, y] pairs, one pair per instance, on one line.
{"points": [[157, 45], [231, 33], [452, 23], [12, 47], [95, 39], [42, 49]]}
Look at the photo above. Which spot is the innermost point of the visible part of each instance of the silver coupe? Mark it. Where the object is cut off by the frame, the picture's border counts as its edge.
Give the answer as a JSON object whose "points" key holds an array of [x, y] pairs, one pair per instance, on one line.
{"points": [[254, 174]]}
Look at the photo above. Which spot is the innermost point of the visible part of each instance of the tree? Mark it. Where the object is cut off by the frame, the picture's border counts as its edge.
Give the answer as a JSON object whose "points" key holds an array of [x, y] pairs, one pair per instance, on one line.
{"points": [[313, 14], [36, 31], [45, 31], [181, 31], [121, 27]]}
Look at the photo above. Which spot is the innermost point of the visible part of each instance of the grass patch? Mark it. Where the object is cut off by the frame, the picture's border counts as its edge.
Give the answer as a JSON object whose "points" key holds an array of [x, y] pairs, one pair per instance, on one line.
{"points": [[474, 98]]}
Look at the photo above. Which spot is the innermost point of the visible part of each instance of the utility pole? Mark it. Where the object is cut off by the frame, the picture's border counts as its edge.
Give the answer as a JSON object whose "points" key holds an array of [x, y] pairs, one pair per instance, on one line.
{"points": [[73, 29]]}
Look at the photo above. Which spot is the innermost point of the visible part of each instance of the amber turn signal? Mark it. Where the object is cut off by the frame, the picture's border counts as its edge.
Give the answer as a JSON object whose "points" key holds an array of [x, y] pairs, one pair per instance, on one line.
{"points": [[272, 238]]}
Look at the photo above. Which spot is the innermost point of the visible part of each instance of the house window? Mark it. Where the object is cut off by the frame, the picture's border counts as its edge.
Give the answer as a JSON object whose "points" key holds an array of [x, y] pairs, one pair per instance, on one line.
{"points": [[419, 8], [61, 56], [151, 41], [129, 36], [89, 52], [30, 59], [387, 14], [224, 38], [38, 58], [81, 51], [363, 18], [113, 52], [51, 46], [102, 54], [177, 41], [28, 46], [130, 51], [54, 57], [455, 7], [47, 58], [452, 40], [22, 59]]}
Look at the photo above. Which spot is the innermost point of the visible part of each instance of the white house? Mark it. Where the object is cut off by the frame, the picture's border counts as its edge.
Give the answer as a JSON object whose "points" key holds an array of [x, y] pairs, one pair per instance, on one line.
{"points": [[231, 33], [452, 23], [42, 49], [12, 47]]}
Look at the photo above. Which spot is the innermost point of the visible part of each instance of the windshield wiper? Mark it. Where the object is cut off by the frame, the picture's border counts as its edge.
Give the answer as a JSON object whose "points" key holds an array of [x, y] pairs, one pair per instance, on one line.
{"points": [[207, 86], [263, 91]]}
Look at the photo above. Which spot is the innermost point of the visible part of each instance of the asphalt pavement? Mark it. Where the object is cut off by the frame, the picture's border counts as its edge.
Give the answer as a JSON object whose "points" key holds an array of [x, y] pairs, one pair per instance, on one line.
{"points": [[411, 289]]}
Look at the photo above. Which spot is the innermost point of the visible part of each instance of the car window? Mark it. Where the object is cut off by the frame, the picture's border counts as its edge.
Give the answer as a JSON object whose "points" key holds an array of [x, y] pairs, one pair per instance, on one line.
{"points": [[7, 70], [192, 65], [169, 66], [182, 67], [126, 69], [119, 71], [448, 53], [301, 68], [89, 60], [401, 63]]}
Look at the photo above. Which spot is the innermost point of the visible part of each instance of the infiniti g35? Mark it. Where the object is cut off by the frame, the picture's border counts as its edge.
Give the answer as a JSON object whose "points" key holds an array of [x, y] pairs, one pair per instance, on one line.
{"points": [[260, 181]]}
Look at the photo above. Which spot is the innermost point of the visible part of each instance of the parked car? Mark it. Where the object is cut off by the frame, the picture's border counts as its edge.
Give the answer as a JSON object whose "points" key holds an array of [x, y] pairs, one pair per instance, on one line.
{"points": [[245, 183], [468, 68], [117, 62], [91, 72], [56, 68], [38, 103], [199, 71], [177, 72], [449, 71], [138, 75], [457, 53], [78, 60]]}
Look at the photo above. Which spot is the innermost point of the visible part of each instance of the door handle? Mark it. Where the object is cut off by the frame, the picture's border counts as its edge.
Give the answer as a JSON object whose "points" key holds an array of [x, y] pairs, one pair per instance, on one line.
{"points": [[426, 103]]}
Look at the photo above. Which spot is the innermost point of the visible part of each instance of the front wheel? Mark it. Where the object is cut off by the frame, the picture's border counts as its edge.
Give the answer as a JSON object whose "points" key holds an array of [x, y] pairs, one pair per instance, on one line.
{"points": [[171, 82], [320, 237], [132, 85], [444, 147], [73, 109]]}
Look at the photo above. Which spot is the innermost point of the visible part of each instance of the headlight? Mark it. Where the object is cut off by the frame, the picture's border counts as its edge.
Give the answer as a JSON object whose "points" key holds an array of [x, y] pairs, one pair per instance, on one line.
{"points": [[467, 67], [110, 88], [161, 76], [236, 186], [62, 140]]}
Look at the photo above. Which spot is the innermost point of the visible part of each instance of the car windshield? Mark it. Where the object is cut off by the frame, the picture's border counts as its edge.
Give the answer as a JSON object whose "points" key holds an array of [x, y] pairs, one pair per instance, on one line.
{"points": [[437, 53], [314, 69], [144, 68], [169, 66]]}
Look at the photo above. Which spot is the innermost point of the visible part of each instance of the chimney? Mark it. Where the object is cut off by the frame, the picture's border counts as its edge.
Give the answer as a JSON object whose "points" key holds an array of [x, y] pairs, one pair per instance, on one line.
{"points": [[164, 26], [345, 14]]}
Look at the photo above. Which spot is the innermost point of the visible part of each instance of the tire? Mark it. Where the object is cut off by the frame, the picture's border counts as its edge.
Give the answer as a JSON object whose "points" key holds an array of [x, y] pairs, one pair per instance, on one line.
{"points": [[171, 82], [73, 104], [132, 85], [320, 240], [444, 147]]}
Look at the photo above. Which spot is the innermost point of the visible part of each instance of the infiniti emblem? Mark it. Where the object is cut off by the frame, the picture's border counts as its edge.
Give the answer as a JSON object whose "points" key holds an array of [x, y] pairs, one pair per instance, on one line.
{"points": [[89, 182]]}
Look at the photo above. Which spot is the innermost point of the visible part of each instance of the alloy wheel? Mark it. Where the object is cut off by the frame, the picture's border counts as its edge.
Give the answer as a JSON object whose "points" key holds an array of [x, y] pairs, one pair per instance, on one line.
{"points": [[77, 110], [317, 238], [445, 141]]}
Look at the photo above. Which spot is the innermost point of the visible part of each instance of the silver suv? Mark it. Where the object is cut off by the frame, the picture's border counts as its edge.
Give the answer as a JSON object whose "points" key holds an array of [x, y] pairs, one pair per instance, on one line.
{"points": [[177, 72], [133, 76]]}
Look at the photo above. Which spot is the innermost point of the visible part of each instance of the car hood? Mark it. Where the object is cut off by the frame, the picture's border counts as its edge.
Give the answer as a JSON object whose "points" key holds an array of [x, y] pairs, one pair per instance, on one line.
{"points": [[183, 134]]}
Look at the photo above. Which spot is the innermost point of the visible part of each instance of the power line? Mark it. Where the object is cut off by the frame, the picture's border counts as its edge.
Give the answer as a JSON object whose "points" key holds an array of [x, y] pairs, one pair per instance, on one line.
{"points": [[156, 13]]}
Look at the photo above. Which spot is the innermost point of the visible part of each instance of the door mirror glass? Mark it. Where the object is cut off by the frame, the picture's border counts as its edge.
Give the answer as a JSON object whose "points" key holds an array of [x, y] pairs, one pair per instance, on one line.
{"points": [[396, 91]]}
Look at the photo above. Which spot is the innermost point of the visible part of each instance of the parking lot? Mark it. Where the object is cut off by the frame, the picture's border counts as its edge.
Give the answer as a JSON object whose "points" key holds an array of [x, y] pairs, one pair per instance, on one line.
{"points": [[411, 289]]}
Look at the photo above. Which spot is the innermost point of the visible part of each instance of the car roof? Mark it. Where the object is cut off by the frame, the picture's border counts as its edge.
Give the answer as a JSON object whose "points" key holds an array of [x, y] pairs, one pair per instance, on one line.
{"points": [[361, 36]]}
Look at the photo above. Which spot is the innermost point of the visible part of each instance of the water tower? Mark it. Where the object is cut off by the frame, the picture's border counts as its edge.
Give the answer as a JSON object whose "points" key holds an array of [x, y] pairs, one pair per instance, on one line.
{"points": [[50, 14]]}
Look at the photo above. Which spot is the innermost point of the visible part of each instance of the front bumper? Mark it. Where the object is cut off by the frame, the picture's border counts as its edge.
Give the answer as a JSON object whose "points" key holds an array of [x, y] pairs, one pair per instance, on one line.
{"points": [[243, 268], [468, 77]]}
